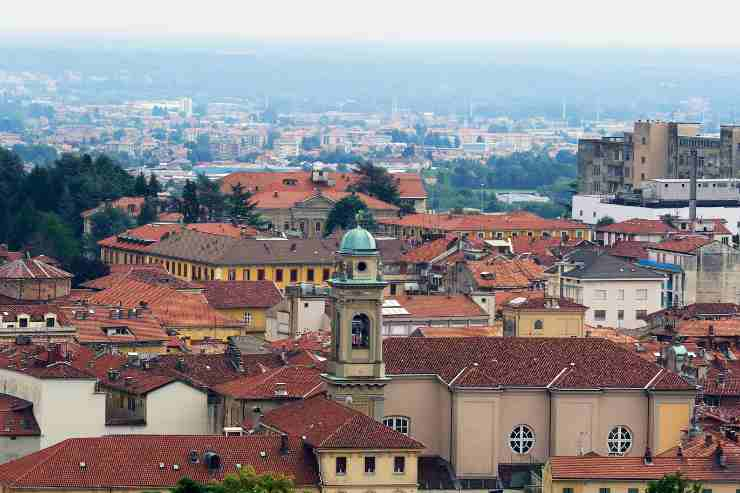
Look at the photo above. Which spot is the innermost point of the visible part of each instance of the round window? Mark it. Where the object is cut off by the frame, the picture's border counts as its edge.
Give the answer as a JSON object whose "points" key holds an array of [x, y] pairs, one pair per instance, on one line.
{"points": [[361, 266], [521, 439], [619, 440]]}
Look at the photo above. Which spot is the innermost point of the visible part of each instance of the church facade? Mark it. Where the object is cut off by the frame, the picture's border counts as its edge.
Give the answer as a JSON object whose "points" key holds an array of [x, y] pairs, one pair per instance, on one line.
{"points": [[484, 404]]}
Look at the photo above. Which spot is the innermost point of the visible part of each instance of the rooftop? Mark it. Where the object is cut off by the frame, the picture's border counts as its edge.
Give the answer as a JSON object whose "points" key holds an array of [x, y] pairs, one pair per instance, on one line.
{"points": [[287, 382], [609, 267], [27, 268], [241, 294]]}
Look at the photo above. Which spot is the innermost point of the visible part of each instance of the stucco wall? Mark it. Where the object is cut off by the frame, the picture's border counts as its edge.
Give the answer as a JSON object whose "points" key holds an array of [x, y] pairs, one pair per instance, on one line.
{"points": [[384, 479], [12, 448]]}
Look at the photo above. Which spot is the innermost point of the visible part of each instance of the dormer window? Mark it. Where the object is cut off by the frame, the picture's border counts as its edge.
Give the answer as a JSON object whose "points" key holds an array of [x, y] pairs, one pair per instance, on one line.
{"points": [[50, 322], [23, 322]]}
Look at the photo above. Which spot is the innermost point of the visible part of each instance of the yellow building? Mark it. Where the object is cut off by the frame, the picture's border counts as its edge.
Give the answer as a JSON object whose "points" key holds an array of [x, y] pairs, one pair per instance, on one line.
{"points": [[543, 317], [484, 226], [245, 301]]}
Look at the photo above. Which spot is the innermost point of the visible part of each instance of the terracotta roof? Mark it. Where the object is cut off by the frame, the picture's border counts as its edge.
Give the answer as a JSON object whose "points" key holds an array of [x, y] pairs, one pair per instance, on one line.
{"points": [[610, 334], [170, 217], [95, 463], [47, 260], [328, 424], [410, 185], [172, 308], [727, 327], [685, 244], [274, 199], [639, 226], [26, 268], [517, 221], [540, 247], [570, 363], [148, 273], [636, 250], [93, 322], [16, 417], [700, 469], [541, 303], [241, 294], [121, 203], [222, 250], [446, 306], [221, 229], [426, 252], [139, 239], [37, 312], [471, 331], [697, 310], [299, 382], [502, 273]]}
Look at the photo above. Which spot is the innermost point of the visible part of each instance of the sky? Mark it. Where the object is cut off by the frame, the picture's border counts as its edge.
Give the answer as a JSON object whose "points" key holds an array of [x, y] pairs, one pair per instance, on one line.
{"points": [[578, 22]]}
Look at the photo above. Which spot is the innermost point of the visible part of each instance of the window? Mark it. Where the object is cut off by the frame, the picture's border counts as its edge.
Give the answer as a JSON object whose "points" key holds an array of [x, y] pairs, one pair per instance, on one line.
{"points": [[369, 465], [604, 490], [600, 294], [620, 294], [50, 322], [398, 423], [278, 275], [23, 322], [341, 466], [399, 465], [393, 289], [309, 275], [567, 490], [293, 275], [360, 331], [620, 314], [248, 318], [286, 226], [641, 294], [260, 274], [641, 314], [633, 490], [131, 404], [600, 315], [706, 490], [539, 325], [317, 228], [232, 274], [325, 275], [619, 440], [246, 274], [521, 439]]}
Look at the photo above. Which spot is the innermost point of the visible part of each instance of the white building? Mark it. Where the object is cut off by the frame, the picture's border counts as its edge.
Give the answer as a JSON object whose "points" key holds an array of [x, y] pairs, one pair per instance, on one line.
{"points": [[617, 293]]}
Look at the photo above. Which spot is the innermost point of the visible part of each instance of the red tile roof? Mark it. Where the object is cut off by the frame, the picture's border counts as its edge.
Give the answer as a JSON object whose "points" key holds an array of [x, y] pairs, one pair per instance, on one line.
{"points": [[410, 185], [300, 382], [241, 294], [539, 302], [16, 417], [471, 331], [150, 459], [540, 247], [286, 199], [427, 252], [37, 312], [684, 244], [121, 203], [631, 249], [570, 363], [148, 273], [516, 221], [447, 306], [328, 424], [639, 226], [92, 322], [172, 308], [27, 268], [502, 273]]}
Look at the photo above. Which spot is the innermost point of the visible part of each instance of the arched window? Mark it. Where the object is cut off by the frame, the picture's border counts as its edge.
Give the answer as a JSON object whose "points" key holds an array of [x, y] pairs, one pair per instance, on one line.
{"points": [[539, 325], [521, 439], [360, 331], [398, 423], [619, 440]]}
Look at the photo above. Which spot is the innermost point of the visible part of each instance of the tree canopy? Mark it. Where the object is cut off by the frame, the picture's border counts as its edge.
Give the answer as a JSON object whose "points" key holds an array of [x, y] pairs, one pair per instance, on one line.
{"points": [[245, 481], [376, 182], [673, 483], [345, 215]]}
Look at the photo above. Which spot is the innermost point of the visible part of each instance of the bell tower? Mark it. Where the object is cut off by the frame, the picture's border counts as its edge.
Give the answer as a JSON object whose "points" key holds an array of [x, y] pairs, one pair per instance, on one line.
{"points": [[356, 372]]}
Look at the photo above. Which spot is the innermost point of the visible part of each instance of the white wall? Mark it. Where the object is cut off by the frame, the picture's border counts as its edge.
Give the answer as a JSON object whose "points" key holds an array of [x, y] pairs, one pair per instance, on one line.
{"points": [[71, 409], [630, 304], [18, 447], [589, 209]]}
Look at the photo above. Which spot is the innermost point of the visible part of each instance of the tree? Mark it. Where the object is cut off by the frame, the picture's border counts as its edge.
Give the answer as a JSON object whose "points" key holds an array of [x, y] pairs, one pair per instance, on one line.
{"points": [[187, 485], [605, 221], [190, 207], [248, 481], [344, 214], [148, 213], [241, 208], [153, 188], [86, 269], [673, 483], [107, 222], [376, 182], [53, 238], [210, 197], [140, 186]]}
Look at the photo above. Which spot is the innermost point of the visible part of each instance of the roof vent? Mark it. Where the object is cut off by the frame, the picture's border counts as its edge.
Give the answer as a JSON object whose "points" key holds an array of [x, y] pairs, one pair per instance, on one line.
{"points": [[281, 389], [284, 448], [83, 465], [193, 456], [113, 374], [275, 193], [263, 454], [161, 465], [175, 467], [212, 461]]}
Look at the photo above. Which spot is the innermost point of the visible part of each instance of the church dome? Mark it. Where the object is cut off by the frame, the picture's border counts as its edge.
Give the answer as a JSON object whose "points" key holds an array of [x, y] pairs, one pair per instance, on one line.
{"points": [[358, 241]]}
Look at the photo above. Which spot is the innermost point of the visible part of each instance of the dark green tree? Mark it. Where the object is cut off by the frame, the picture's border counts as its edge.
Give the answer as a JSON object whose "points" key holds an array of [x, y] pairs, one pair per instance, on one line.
{"points": [[190, 206], [187, 485], [210, 197], [605, 221], [242, 209], [54, 238], [153, 188], [673, 483], [140, 186], [148, 213], [344, 214], [248, 481], [376, 182], [85, 269]]}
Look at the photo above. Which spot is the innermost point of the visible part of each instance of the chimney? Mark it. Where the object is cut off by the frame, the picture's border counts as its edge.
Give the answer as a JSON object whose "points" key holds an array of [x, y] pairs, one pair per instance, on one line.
{"points": [[679, 452], [275, 193], [281, 389], [720, 457], [648, 457], [284, 449], [707, 440], [257, 420]]}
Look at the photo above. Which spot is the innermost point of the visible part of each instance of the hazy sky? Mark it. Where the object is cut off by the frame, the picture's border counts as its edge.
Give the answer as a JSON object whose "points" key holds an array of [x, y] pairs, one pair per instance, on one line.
{"points": [[628, 22]]}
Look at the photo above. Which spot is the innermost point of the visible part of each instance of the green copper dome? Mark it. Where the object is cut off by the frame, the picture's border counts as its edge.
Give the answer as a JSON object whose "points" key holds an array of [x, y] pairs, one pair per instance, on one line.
{"points": [[358, 241]]}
